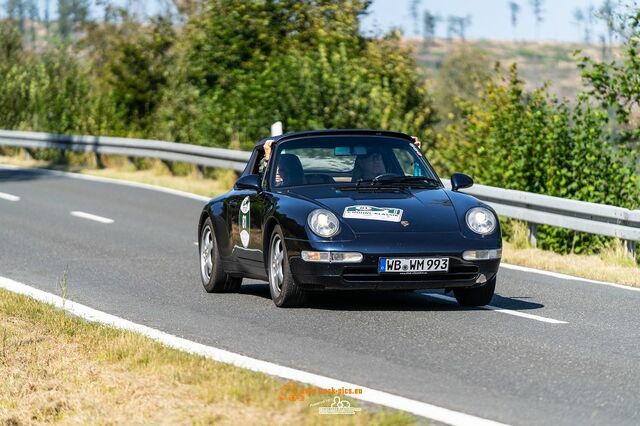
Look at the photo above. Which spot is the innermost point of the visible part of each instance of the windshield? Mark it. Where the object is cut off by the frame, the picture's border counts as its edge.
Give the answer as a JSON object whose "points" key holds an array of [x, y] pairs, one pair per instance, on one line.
{"points": [[347, 159]]}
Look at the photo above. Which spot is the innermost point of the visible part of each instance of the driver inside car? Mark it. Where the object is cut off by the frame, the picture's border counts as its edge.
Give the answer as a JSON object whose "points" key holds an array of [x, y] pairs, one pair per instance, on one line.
{"points": [[368, 166], [289, 171]]}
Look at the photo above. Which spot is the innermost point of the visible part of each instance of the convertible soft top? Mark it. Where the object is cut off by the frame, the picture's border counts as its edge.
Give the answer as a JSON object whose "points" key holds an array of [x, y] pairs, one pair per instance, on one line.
{"points": [[335, 132]]}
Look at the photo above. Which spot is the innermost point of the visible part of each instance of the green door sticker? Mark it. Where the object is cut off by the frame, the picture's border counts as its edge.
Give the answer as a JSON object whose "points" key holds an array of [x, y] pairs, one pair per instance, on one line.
{"points": [[245, 221]]}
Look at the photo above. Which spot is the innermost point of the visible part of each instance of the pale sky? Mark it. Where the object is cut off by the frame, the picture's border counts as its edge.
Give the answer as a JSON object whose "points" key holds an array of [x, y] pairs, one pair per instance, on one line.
{"points": [[491, 19]]}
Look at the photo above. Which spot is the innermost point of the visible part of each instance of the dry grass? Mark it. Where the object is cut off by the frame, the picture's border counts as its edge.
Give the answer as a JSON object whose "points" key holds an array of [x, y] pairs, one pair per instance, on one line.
{"points": [[59, 369], [538, 61], [157, 174], [611, 265], [191, 183]]}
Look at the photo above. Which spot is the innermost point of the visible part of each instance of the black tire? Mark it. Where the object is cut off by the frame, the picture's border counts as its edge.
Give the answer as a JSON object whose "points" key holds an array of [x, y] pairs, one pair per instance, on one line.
{"points": [[476, 296], [285, 293], [214, 279]]}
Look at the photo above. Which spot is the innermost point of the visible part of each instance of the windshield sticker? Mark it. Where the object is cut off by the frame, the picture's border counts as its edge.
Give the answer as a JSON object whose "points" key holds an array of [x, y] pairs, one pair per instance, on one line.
{"points": [[245, 221], [387, 214]]}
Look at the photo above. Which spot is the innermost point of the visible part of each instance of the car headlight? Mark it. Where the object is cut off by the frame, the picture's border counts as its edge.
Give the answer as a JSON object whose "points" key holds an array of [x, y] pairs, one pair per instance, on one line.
{"points": [[481, 221], [323, 223]]}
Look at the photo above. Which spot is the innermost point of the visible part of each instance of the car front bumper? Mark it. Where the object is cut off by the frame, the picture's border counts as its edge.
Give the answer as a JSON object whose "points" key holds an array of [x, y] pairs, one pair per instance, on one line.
{"points": [[365, 275]]}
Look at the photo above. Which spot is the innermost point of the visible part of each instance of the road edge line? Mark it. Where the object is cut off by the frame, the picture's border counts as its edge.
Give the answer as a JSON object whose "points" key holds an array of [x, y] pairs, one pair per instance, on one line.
{"points": [[498, 309], [560, 275], [205, 199], [81, 176], [418, 408]]}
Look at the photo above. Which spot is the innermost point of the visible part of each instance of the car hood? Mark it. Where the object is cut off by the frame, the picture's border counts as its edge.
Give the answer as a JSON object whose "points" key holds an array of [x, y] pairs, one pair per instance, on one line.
{"points": [[423, 210]]}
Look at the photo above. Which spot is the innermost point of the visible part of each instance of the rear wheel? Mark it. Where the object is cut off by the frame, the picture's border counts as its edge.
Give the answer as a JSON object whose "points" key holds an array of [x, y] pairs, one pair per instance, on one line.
{"points": [[214, 279], [476, 296], [285, 293]]}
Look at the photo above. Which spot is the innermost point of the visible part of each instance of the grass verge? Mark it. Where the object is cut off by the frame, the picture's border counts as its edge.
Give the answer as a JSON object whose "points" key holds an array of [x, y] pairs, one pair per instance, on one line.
{"points": [[610, 265], [156, 173], [56, 368]]}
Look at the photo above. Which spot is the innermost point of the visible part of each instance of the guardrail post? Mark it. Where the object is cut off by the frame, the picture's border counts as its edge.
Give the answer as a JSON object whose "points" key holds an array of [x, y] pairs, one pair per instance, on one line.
{"points": [[533, 233], [30, 153], [99, 163], [276, 128], [168, 164], [630, 247]]}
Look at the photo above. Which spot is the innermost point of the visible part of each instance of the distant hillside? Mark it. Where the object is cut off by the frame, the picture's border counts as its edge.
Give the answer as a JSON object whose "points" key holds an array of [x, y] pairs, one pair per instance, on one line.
{"points": [[537, 61]]}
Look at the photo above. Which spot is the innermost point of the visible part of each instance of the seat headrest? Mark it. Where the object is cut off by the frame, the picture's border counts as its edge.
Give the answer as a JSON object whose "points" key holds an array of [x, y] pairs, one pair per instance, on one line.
{"points": [[290, 169]]}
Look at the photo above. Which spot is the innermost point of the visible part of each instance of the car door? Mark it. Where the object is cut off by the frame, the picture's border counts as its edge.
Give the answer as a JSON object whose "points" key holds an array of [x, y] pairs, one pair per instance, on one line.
{"points": [[247, 208]]}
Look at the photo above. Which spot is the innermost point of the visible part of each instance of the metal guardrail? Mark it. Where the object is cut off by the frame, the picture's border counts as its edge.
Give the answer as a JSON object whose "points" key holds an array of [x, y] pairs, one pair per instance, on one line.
{"points": [[168, 151], [532, 208], [576, 215]]}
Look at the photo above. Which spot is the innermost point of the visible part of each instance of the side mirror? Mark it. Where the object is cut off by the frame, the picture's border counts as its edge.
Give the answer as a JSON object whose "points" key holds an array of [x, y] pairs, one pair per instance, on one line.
{"points": [[460, 181], [249, 182]]}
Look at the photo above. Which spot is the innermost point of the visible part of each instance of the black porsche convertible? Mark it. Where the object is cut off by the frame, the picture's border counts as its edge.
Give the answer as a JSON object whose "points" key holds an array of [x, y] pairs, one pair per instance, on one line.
{"points": [[348, 210]]}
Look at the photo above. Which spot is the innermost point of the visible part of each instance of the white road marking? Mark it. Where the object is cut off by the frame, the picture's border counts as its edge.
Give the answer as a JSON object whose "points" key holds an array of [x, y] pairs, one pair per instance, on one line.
{"points": [[497, 309], [9, 197], [565, 276], [201, 198], [113, 181], [418, 408], [90, 216]]}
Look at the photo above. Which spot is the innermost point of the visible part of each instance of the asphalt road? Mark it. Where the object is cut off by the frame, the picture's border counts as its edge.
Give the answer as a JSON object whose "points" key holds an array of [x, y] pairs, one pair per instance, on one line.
{"points": [[144, 267]]}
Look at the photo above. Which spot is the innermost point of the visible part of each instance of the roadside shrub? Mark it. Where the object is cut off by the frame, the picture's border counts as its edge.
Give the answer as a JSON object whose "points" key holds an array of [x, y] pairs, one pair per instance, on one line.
{"points": [[533, 142]]}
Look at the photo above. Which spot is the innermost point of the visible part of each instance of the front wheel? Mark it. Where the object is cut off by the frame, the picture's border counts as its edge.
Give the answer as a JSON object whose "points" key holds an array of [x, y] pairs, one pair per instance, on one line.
{"points": [[285, 293], [214, 279], [476, 296]]}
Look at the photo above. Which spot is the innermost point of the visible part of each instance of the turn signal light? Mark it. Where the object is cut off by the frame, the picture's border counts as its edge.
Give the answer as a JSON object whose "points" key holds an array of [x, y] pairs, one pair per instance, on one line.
{"points": [[331, 256], [482, 254]]}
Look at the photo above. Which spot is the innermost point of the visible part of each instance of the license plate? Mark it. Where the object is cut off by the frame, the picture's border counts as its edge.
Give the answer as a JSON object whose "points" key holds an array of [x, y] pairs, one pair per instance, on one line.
{"points": [[413, 265]]}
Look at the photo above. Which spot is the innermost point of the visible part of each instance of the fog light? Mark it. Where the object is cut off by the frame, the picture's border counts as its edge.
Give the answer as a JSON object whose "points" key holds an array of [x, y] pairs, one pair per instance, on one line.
{"points": [[481, 279], [331, 256], [316, 256], [482, 254], [346, 257]]}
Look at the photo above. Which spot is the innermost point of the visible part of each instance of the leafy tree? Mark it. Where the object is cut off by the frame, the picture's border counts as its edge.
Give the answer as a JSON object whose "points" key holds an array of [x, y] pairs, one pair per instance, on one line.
{"points": [[303, 62], [46, 92], [606, 12], [233, 36], [457, 26], [615, 83], [130, 63], [414, 7], [588, 22], [429, 23], [461, 77], [70, 14], [538, 13], [16, 11], [514, 8], [533, 142], [47, 15], [579, 17], [21, 11]]}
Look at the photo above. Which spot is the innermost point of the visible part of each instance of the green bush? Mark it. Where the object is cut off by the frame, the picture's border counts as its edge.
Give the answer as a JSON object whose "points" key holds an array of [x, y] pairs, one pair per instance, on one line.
{"points": [[532, 142], [245, 65], [46, 91]]}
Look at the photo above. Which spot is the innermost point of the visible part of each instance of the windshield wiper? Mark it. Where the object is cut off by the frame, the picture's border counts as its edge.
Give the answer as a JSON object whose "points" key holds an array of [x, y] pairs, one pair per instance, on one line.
{"points": [[370, 185], [407, 180], [361, 181]]}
